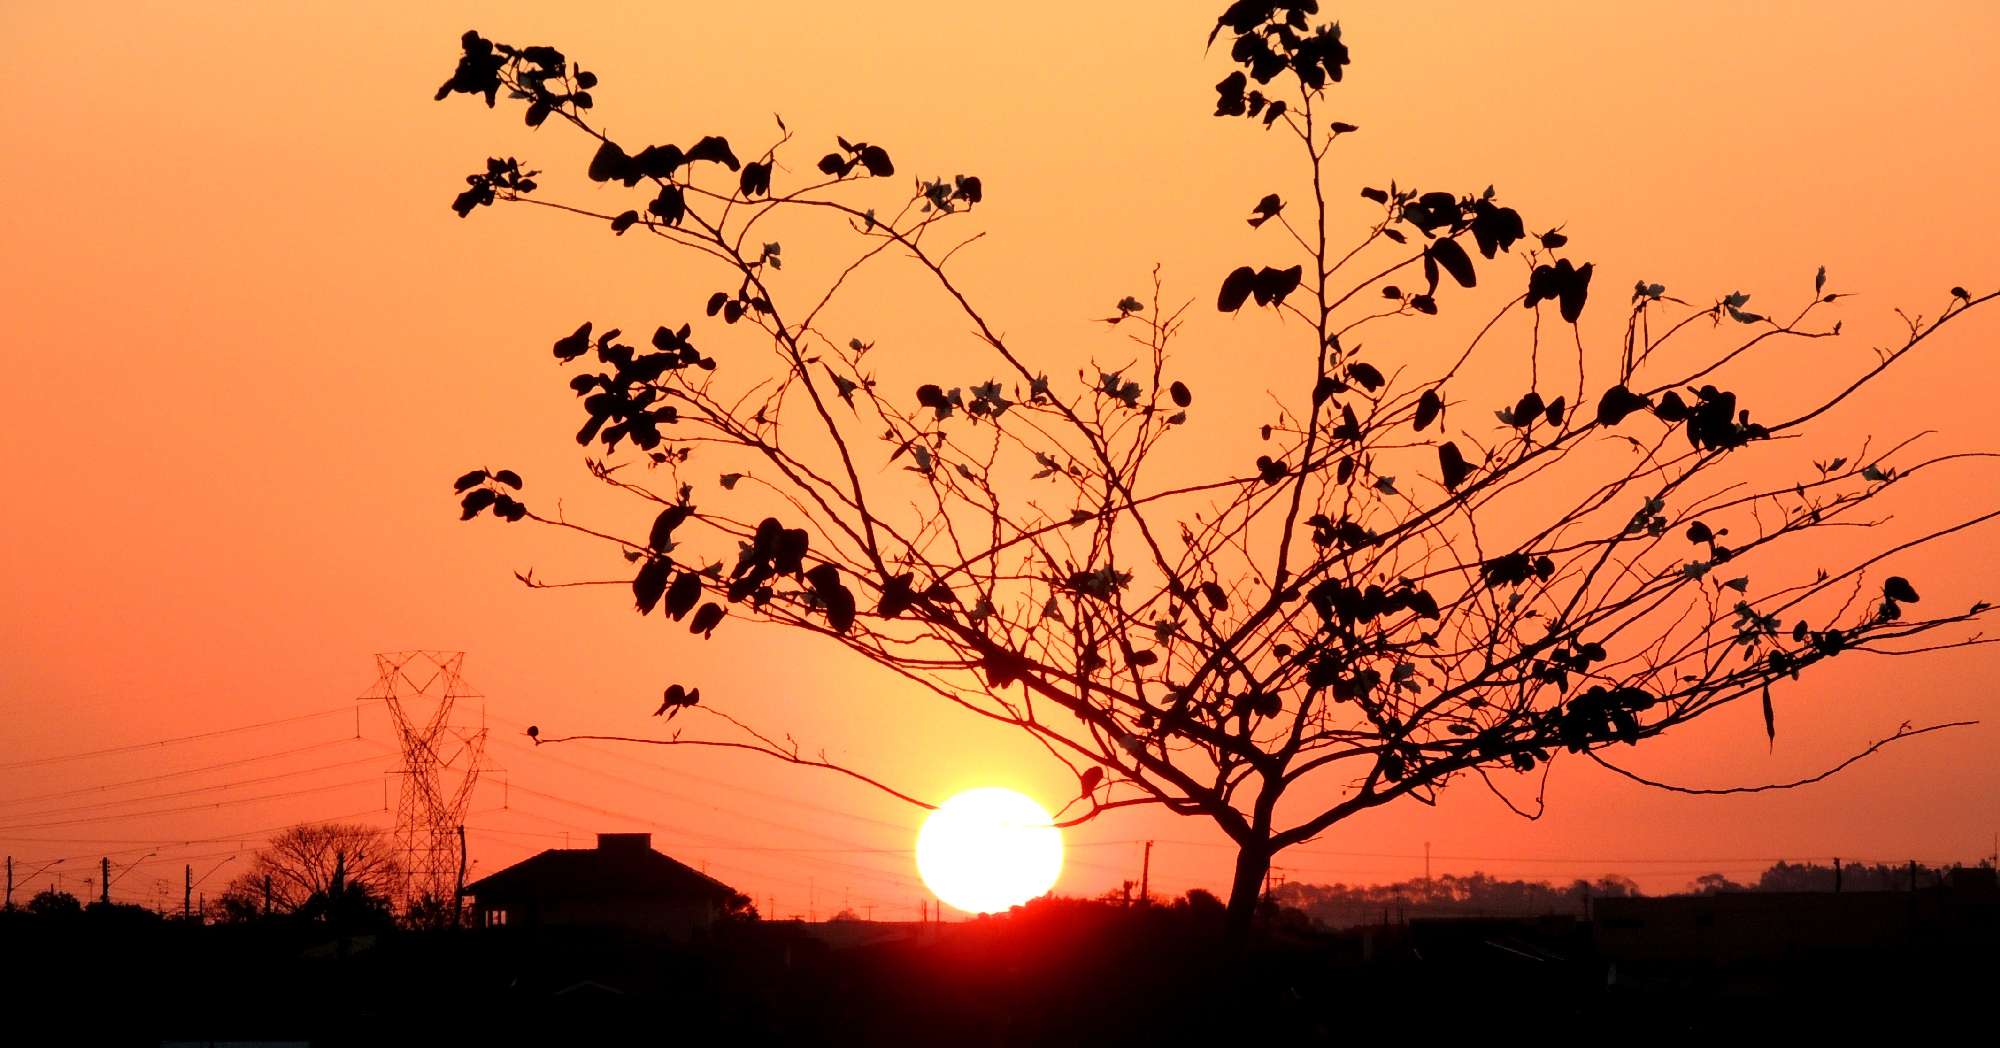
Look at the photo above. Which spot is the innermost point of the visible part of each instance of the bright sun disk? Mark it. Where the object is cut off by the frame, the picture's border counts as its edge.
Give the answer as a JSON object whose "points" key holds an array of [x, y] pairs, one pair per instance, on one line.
{"points": [[987, 850]]}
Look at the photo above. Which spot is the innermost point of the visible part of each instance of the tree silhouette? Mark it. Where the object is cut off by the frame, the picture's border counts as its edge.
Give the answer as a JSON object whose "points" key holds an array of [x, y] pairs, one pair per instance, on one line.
{"points": [[51, 902], [1417, 583], [313, 869]]}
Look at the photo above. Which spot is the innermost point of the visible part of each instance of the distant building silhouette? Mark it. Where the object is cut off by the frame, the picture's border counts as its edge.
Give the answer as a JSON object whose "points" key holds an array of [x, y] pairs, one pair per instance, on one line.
{"points": [[622, 883]]}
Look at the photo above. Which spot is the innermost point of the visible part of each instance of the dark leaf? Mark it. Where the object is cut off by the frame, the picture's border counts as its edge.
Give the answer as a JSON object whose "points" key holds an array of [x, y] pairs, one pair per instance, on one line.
{"points": [[1896, 587], [876, 160], [1272, 285], [1617, 403], [715, 148], [1575, 293], [575, 344], [508, 477], [662, 536], [1568, 285], [670, 205], [1528, 408], [1236, 288], [476, 502], [840, 608], [1367, 375], [1090, 778], [477, 476], [1454, 260], [682, 595], [898, 594], [609, 163], [624, 221], [676, 698], [1428, 407], [1495, 228], [1453, 463], [650, 584], [705, 620], [1671, 409], [658, 161], [1216, 598], [1180, 395], [1265, 210]]}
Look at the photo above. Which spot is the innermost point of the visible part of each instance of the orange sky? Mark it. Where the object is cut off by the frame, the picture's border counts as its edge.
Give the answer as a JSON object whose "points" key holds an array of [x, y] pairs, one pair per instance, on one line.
{"points": [[247, 346]]}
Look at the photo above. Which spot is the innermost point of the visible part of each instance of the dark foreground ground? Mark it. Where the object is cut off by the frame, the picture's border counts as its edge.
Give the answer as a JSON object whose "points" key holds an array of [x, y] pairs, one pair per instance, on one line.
{"points": [[1057, 973]]}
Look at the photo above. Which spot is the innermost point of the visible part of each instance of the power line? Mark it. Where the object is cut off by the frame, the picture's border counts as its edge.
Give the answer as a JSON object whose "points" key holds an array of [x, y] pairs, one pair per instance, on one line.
{"points": [[178, 774], [40, 761], [187, 808], [239, 783], [144, 842]]}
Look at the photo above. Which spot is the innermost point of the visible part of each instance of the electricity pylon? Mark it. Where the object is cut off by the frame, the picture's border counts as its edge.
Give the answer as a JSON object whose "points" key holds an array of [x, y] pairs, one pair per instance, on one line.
{"points": [[441, 763]]}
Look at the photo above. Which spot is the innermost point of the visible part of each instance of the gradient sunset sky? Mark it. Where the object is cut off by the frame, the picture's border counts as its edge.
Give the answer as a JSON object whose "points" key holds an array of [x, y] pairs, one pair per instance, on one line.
{"points": [[247, 347]]}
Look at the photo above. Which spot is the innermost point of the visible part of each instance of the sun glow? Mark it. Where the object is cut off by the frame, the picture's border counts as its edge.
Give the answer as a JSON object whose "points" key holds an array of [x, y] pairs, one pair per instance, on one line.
{"points": [[989, 849]]}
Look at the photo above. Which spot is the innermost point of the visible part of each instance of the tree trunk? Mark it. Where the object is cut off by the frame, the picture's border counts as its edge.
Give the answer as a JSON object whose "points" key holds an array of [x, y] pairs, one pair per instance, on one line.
{"points": [[1244, 890]]}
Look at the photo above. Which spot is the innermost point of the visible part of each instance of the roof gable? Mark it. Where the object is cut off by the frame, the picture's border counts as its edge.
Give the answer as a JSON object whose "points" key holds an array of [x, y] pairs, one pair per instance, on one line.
{"points": [[624, 872]]}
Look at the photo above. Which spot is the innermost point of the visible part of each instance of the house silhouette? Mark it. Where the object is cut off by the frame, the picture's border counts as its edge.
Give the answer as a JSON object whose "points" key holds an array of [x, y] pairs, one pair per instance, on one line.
{"points": [[620, 884]]}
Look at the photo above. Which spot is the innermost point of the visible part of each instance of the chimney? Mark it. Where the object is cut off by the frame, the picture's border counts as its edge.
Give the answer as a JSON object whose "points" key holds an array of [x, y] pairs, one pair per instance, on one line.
{"points": [[625, 842]]}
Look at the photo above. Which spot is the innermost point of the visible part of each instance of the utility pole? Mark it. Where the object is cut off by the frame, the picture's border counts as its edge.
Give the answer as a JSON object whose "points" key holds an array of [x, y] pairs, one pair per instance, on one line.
{"points": [[1146, 876], [104, 880], [1836, 875], [1427, 864], [458, 894], [187, 891], [10, 882]]}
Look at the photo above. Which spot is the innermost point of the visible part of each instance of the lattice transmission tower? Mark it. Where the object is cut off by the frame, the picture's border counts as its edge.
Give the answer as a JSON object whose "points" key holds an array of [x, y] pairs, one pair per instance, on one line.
{"points": [[441, 764]]}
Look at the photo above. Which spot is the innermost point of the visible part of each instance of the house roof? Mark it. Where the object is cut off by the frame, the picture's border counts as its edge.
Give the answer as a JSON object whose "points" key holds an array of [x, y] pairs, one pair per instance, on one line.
{"points": [[623, 872]]}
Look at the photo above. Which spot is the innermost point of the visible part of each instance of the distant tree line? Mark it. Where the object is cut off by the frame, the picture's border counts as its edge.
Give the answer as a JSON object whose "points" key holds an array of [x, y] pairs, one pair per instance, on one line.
{"points": [[1447, 895], [1482, 895]]}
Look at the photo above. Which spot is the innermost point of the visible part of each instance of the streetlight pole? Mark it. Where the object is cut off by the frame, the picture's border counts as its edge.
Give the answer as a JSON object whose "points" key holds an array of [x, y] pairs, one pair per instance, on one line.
{"points": [[24, 880], [105, 895]]}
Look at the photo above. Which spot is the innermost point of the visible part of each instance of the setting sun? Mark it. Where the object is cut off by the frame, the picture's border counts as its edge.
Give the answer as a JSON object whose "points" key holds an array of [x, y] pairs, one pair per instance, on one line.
{"points": [[989, 849]]}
